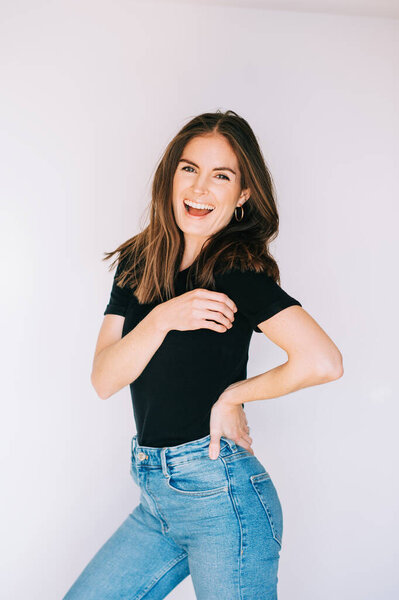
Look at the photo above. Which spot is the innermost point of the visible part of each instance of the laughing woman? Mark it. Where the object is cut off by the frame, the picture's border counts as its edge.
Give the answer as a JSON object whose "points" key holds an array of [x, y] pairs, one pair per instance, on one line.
{"points": [[188, 293]]}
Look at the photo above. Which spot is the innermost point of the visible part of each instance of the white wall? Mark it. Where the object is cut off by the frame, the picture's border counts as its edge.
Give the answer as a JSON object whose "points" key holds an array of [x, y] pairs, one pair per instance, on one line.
{"points": [[91, 92]]}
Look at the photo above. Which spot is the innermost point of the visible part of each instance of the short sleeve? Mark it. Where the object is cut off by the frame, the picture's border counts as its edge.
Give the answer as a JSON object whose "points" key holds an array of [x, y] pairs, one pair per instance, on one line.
{"points": [[257, 296], [119, 298]]}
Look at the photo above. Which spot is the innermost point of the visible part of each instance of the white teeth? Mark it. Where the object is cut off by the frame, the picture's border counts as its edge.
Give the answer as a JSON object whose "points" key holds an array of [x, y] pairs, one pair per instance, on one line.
{"points": [[198, 205]]}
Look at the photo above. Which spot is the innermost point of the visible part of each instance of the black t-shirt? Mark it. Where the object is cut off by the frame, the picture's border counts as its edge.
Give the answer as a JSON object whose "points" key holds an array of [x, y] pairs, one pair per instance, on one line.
{"points": [[173, 396]]}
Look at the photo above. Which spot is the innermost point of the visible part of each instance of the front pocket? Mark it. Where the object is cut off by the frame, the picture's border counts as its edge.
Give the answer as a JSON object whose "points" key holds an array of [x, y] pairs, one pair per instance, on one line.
{"points": [[199, 477], [270, 501]]}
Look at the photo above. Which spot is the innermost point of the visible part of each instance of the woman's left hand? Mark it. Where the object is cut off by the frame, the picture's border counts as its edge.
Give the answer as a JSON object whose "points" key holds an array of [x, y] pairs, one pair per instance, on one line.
{"points": [[228, 420]]}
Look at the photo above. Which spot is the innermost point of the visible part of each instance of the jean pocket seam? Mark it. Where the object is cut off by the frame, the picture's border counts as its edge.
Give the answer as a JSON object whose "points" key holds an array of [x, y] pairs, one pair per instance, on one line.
{"points": [[254, 480], [211, 492]]}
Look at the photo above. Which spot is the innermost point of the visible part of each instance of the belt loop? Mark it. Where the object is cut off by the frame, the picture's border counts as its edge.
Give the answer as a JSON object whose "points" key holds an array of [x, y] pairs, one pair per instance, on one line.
{"points": [[164, 463], [232, 444]]}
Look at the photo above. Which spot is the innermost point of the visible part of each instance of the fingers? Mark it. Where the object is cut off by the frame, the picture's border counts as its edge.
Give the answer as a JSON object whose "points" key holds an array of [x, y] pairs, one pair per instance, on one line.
{"points": [[215, 306], [245, 441], [221, 314], [214, 446], [210, 324], [245, 444], [247, 438], [216, 297]]}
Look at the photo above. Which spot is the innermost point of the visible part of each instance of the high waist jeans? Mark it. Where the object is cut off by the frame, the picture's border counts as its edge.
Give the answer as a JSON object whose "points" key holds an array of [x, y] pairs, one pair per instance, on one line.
{"points": [[219, 521]]}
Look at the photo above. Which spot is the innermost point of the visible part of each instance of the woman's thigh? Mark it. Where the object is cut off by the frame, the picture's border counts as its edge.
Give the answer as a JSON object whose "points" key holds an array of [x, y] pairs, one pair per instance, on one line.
{"points": [[137, 561]]}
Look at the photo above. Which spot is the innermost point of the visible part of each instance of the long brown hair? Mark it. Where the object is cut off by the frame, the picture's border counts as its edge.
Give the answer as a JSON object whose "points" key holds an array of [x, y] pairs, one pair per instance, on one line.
{"points": [[150, 260]]}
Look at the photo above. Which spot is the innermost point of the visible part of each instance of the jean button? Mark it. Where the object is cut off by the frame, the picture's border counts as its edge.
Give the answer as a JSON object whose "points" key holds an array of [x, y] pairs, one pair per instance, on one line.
{"points": [[142, 456]]}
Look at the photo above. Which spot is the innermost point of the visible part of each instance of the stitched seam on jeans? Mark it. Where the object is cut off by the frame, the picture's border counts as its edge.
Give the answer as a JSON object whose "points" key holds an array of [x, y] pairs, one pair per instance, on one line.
{"points": [[199, 493], [230, 458], [240, 526], [266, 508], [202, 456], [167, 568], [162, 518]]}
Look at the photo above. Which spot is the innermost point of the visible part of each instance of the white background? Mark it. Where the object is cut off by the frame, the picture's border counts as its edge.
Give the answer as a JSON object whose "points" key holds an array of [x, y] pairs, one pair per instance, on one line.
{"points": [[91, 93]]}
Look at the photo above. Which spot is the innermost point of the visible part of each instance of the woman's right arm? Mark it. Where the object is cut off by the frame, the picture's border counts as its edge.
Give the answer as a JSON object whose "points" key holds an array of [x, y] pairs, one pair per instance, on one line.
{"points": [[118, 361]]}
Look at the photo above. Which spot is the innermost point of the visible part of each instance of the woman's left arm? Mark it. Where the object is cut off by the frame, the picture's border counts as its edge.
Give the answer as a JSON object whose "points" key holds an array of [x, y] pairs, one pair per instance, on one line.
{"points": [[313, 358]]}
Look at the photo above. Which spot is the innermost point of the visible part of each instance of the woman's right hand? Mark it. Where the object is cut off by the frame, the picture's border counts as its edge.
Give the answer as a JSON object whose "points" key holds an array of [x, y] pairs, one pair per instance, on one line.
{"points": [[196, 309]]}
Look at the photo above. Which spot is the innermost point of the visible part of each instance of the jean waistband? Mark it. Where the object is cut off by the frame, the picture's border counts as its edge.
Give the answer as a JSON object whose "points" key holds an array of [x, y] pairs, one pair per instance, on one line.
{"points": [[169, 455]]}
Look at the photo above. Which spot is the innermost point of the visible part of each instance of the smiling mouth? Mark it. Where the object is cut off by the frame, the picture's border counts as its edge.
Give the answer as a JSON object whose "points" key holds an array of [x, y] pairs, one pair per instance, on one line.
{"points": [[197, 209]]}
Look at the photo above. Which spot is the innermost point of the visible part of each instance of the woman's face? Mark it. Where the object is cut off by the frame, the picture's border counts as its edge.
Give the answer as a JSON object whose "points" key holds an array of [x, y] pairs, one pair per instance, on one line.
{"points": [[208, 174]]}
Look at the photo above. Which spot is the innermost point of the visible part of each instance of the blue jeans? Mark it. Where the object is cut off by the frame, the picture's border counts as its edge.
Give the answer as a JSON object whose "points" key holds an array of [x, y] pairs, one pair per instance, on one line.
{"points": [[219, 521]]}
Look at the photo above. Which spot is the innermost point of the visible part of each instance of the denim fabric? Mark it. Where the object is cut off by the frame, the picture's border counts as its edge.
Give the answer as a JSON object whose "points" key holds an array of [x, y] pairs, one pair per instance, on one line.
{"points": [[219, 521]]}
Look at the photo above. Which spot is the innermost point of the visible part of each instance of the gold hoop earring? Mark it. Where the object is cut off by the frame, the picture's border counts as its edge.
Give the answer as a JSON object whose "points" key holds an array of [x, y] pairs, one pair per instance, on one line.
{"points": [[242, 213]]}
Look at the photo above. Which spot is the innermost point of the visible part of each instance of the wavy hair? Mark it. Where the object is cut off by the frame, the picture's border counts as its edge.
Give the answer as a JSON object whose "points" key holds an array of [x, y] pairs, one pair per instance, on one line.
{"points": [[149, 261]]}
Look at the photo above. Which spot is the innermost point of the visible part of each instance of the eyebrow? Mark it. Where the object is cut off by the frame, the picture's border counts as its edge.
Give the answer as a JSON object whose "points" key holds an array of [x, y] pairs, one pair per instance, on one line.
{"points": [[190, 162]]}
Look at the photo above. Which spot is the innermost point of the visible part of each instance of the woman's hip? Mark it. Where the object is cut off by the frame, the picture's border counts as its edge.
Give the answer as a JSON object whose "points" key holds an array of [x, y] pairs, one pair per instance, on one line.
{"points": [[230, 498]]}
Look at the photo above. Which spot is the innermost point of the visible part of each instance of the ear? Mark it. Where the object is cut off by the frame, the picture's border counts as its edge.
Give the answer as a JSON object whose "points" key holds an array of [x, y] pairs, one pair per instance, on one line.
{"points": [[245, 195]]}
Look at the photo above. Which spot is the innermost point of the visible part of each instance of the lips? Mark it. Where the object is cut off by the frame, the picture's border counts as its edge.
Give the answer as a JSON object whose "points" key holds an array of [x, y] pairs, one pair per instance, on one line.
{"points": [[197, 213]]}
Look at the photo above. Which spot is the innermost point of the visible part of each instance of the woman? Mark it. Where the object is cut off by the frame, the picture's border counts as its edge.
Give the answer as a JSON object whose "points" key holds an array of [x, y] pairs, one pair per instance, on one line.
{"points": [[203, 280]]}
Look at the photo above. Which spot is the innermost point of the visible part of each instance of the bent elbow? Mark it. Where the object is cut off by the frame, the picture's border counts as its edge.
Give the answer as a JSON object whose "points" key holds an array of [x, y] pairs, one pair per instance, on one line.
{"points": [[332, 369], [100, 390]]}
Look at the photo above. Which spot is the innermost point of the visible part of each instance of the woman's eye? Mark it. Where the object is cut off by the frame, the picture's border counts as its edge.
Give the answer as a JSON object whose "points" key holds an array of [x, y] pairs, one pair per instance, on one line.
{"points": [[187, 167]]}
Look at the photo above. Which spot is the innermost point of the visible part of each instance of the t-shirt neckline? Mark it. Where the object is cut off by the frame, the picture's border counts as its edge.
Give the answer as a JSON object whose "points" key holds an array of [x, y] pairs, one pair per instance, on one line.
{"points": [[183, 271]]}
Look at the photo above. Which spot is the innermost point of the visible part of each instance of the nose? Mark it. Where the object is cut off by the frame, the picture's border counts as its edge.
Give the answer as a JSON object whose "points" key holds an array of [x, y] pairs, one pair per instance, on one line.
{"points": [[199, 196], [200, 185], [199, 190]]}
